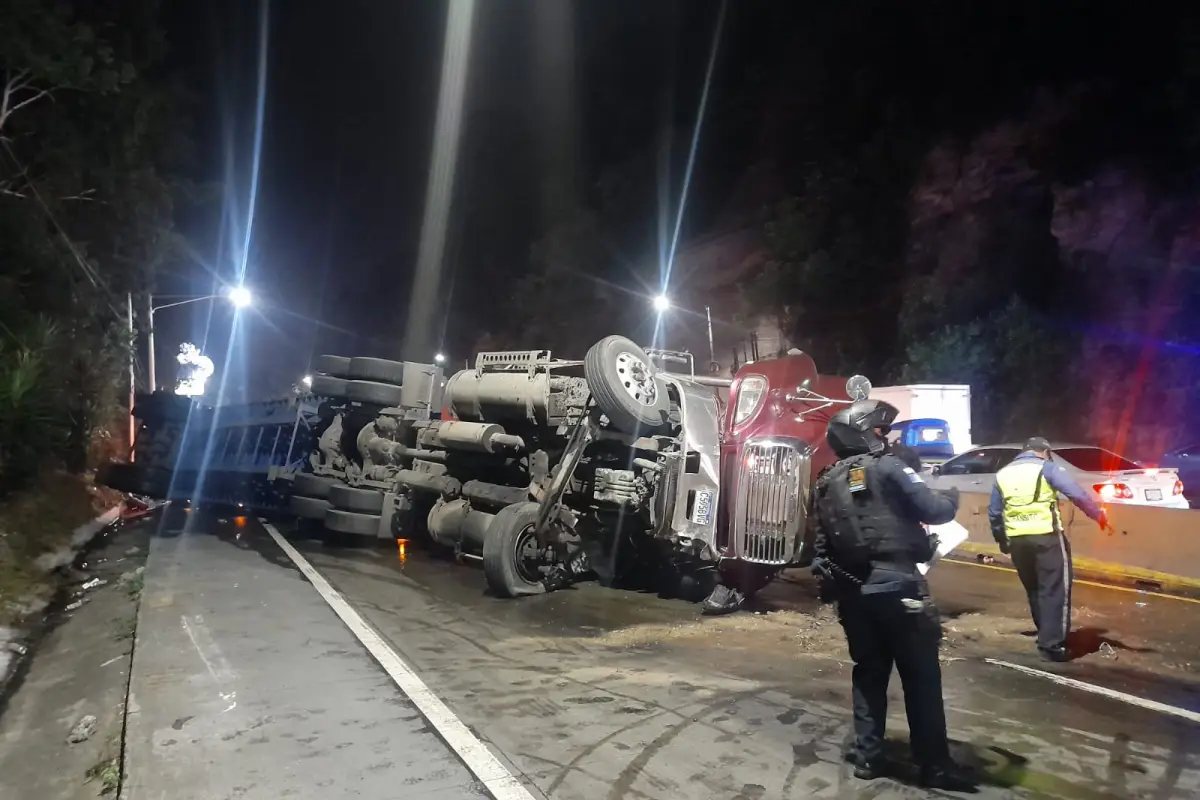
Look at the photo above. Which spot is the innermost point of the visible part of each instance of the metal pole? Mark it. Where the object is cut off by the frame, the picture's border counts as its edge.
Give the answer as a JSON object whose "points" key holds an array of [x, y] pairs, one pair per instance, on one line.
{"points": [[712, 354], [150, 339], [132, 377]]}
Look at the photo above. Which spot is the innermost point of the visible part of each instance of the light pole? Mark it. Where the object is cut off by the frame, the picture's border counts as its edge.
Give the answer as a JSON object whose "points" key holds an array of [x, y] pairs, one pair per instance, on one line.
{"points": [[240, 296]]}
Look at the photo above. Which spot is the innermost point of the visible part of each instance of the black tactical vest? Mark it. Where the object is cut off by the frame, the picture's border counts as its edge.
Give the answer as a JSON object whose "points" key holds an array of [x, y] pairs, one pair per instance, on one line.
{"points": [[860, 526]]}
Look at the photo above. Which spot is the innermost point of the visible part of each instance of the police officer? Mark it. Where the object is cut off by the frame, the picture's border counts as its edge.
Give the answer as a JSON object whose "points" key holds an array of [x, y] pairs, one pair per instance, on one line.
{"points": [[1024, 517], [870, 507]]}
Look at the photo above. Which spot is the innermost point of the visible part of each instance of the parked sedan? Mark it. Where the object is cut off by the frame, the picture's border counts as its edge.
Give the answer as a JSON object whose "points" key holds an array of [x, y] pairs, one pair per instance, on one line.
{"points": [[1114, 479]]}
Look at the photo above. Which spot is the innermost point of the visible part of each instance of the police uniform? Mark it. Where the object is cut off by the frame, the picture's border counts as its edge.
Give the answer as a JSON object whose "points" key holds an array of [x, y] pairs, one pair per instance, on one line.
{"points": [[1025, 523], [869, 508]]}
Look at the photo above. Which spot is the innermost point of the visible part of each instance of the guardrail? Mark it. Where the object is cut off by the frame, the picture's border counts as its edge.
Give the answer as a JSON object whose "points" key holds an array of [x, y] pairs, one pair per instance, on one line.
{"points": [[1152, 548]]}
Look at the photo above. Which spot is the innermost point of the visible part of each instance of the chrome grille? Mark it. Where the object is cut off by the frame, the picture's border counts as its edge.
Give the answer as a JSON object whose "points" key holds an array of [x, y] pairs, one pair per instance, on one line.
{"points": [[772, 489]]}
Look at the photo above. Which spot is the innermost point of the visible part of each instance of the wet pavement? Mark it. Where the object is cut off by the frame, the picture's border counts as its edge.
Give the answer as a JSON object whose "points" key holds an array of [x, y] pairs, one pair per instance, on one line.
{"points": [[244, 684], [604, 694]]}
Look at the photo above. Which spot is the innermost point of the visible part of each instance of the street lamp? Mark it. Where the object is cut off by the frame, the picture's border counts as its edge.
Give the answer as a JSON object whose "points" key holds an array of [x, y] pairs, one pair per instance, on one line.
{"points": [[439, 359], [662, 303], [240, 296]]}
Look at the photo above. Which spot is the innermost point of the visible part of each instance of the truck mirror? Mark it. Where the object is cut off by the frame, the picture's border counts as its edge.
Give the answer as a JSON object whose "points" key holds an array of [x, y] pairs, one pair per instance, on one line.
{"points": [[858, 387]]}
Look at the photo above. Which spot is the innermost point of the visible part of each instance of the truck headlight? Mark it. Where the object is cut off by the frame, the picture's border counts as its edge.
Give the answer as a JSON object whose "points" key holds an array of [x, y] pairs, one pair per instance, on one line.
{"points": [[750, 397]]}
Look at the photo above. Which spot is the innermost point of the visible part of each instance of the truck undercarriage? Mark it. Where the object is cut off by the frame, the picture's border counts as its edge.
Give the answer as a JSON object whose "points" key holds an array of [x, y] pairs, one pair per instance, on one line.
{"points": [[546, 470]]}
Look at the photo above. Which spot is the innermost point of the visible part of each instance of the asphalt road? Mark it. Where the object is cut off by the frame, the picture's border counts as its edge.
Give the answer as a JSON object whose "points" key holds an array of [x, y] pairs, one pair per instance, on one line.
{"points": [[601, 694]]}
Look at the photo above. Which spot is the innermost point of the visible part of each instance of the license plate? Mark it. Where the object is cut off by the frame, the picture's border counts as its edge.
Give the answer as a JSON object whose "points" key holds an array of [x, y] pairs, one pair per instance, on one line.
{"points": [[702, 511], [1154, 494]]}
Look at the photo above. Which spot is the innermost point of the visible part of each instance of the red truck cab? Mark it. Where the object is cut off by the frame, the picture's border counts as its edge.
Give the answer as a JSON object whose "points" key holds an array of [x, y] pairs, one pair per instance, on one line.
{"points": [[772, 448]]}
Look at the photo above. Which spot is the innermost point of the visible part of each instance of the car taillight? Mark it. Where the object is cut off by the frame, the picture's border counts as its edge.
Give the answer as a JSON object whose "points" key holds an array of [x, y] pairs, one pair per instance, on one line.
{"points": [[1178, 488], [1113, 491]]}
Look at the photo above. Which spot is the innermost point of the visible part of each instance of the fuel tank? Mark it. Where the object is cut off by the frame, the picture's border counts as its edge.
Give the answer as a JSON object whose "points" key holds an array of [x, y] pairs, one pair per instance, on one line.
{"points": [[497, 396]]}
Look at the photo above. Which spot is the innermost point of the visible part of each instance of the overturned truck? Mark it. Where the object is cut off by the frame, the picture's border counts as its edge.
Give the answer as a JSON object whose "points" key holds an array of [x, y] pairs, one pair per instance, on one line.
{"points": [[548, 469]]}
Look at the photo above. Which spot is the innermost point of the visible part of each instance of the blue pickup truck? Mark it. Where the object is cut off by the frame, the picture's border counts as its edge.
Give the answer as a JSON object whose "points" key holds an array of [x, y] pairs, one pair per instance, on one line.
{"points": [[930, 438]]}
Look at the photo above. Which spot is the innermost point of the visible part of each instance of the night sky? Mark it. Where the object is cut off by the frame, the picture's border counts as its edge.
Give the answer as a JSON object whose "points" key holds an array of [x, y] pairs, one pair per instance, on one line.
{"points": [[350, 98], [569, 105]]}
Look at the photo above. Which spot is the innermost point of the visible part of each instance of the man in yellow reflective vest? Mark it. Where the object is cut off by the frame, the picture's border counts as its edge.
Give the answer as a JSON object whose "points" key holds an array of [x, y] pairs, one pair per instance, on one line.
{"points": [[1024, 516]]}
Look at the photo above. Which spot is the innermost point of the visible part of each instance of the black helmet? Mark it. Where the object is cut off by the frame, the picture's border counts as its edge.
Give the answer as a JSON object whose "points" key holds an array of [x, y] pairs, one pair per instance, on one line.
{"points": [[851, 432]]}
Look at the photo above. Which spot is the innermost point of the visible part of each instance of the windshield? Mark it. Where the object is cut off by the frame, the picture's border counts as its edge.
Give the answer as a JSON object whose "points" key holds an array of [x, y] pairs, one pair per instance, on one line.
{"points": [[1094, 459]]}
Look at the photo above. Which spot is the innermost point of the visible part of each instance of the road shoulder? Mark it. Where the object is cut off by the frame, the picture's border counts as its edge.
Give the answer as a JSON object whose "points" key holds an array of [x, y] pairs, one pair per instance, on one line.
{"points": [[61, 722], [245, 683]]}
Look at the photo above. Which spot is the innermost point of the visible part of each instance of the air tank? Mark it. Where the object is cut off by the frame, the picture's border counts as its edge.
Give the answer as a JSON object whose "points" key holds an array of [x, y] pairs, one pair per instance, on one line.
{"points": [[495, 396]]}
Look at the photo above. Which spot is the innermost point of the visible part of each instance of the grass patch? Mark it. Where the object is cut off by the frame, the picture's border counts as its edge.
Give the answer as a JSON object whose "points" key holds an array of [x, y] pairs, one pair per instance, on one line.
{"points": [[126, 630], [108, 773], [134, 585], [36, 521]]}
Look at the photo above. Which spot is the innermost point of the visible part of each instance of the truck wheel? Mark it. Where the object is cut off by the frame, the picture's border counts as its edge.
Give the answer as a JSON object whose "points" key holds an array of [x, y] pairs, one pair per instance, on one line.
{"points": [[333, 366], [622, 381], [362, 501], [305, 484], [334, 388], [308, 507], [377, 369], [510, 552], [374, 393], [352, 523]]}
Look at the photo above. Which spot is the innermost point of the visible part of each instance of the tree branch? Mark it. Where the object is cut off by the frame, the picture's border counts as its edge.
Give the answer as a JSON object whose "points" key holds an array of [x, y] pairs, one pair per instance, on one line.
{"points": [[27, 101], [12, 85]]}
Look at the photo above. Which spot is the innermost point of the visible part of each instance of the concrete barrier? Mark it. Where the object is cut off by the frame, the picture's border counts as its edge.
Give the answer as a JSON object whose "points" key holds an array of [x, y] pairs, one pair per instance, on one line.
{"points": [[1157, 548]]}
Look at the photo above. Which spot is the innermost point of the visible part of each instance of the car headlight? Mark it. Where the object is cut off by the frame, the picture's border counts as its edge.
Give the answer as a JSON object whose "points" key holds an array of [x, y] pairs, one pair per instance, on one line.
{"points": [[750, 398]]}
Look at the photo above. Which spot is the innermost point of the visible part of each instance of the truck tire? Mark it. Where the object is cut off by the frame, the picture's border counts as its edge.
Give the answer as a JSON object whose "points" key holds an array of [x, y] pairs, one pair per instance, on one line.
{"points": [[362, 501], [624, 386], [333, 388], [352, 522], [308, 507], [374, 393], [507, 571], [333, 366], [377, 369], [305, 484]]}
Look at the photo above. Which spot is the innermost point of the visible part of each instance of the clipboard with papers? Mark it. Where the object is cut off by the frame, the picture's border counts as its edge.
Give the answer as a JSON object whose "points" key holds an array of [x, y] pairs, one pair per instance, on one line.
{"points": [[950, 535]]}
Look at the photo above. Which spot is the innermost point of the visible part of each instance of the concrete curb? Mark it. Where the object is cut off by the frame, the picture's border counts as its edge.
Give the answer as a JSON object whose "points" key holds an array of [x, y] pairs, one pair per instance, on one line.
{"points": [[14, 640], [1094, 570]]}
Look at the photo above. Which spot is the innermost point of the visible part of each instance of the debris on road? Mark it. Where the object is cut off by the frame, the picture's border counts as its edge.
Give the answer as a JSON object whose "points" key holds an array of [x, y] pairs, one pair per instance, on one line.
{"points": [[83, 730]]}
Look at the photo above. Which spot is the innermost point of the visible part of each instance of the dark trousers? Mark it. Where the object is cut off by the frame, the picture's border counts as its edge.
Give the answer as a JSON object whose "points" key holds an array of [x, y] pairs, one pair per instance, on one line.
{"points": [[1043, 563], [881, 633]]}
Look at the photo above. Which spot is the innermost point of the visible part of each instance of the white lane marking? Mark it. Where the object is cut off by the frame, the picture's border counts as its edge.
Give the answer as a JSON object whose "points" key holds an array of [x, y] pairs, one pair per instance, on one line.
{"points": [[488, 769], [1112, 694], [218, 666]]}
